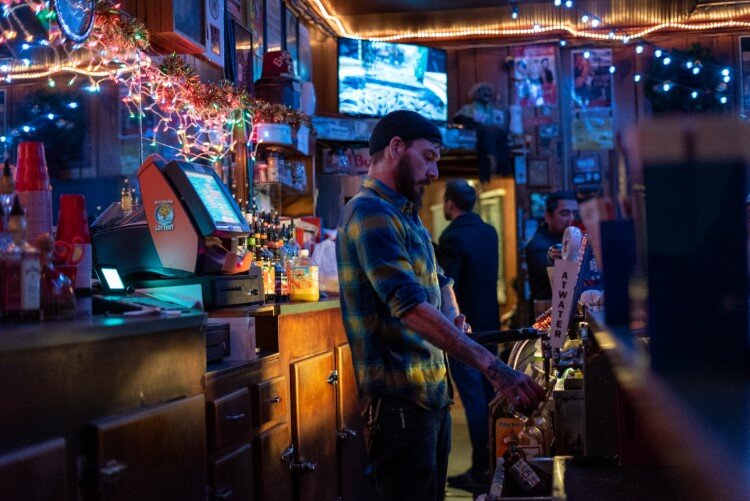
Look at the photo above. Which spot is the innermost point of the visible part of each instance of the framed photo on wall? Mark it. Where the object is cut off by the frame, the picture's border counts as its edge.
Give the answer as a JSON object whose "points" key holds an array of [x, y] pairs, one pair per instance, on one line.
{"points": [[243, 52], [215, 31], [537, 172], [745, 73]]}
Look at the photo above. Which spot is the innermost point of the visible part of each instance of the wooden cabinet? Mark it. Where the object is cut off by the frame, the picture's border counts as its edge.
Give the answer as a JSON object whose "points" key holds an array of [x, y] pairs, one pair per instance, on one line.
{"points": [[314, 427], [36, 472], [230, 475], [228, 418], [352, 454], [273, 477], [156, 453]]}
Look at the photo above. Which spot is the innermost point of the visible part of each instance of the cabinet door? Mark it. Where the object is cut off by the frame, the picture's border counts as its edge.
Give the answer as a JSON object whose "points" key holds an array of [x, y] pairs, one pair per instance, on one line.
{"points": [[34, 472], [157, 453], [314, 428], [231, 475], [273, 480], [351, 445], [228, 417]]}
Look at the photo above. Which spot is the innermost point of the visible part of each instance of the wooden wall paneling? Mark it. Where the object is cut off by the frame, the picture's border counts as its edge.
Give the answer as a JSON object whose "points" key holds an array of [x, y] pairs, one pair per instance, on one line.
{"points": [[451, 66], [325, 73], [466, 76], [489, 69]]}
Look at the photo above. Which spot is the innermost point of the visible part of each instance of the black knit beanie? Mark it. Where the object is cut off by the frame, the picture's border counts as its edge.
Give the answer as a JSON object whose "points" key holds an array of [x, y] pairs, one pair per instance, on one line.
{"points": [[404, 124]]}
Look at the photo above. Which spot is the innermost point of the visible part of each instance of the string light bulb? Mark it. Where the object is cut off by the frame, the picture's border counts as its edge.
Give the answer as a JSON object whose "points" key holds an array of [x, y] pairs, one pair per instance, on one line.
{"points": [[558, 3], [595, 22], [514, 12], [658, 53], [569, 4], [694, 94], [639, 49], [585, 18], [637, 77]]}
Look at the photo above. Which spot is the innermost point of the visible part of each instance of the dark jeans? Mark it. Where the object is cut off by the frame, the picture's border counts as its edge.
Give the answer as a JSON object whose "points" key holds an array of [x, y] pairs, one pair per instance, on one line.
{"points": [[408, 449], [476, 394]]}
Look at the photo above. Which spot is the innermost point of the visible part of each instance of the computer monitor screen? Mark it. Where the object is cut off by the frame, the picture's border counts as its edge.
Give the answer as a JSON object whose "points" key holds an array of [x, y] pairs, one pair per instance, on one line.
{"points": [[207, 200], [209, 190], [111, 277]]}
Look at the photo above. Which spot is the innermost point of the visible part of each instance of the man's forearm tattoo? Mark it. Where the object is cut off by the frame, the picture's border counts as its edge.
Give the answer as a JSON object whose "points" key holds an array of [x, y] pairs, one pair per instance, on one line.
{"points": [[498, 371]]}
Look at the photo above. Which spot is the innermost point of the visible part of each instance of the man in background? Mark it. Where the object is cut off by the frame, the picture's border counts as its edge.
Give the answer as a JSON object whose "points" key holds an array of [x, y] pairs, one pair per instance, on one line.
{"points": [[468, 253], [561, 209]]}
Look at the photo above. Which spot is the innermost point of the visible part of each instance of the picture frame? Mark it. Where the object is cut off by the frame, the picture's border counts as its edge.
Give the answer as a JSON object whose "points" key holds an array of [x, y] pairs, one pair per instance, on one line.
{"points": [[215, 32], [537, 172], [745, 75], [243, 55]]}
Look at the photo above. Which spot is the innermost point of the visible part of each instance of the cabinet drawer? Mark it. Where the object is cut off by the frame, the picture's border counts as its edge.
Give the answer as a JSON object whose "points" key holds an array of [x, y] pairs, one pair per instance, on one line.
{"points": [[228, 417], [268, 400], [231, 475], [34, 472]]}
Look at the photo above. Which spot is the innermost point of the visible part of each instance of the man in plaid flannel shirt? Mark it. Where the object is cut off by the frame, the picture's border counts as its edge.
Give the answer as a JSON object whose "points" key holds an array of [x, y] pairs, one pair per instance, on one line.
{"points": [[401, 316]]}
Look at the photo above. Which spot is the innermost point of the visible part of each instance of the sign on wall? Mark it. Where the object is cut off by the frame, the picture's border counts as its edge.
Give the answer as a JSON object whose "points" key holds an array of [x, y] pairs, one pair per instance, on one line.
{"points": [[535, 75]]}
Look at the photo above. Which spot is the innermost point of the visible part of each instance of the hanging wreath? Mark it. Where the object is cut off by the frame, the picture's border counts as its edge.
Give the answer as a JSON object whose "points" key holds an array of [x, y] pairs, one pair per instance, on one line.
{"points": [[690, 80]]}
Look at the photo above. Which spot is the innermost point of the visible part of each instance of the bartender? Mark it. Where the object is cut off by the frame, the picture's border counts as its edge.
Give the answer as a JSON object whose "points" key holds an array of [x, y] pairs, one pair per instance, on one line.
{"points": [[561, 209]]}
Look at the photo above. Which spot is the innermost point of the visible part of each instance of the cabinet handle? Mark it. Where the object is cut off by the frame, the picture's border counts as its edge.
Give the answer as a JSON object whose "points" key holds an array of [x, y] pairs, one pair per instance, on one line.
{"points": [[346, 434], [222, 494], [333, 378], [303, 467], [112, 471], [235, 417], [288, 455], [274, 400]]}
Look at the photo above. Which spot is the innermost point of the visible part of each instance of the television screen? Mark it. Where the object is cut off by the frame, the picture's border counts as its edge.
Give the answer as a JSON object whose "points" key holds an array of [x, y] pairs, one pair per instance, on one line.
{"points": [[376, 78]]}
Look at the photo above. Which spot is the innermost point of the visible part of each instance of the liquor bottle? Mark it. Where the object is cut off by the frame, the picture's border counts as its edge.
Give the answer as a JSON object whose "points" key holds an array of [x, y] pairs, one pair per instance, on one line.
{"points": [[7, 187], [20, 267], [530, 481], [126, 199], [282, 280]]}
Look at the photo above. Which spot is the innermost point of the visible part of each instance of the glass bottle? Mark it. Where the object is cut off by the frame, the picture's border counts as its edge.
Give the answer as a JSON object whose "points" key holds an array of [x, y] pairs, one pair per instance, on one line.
{"points": [[7, 187], [529, 480], [282, 281], [57, 300], [20, 267], [304, 279]]}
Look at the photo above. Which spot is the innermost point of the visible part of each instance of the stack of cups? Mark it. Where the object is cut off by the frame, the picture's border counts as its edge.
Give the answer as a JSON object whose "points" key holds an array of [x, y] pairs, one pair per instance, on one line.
{"points": [[33, 189], [73, 234]]}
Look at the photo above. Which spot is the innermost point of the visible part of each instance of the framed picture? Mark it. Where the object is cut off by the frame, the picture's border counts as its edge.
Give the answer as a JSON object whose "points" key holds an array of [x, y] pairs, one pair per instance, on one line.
{"points": [[243, 55], [291, 33], [537, 172], [215, 31], [273, 25], [592, 80], [305, 52], [745, 73]]}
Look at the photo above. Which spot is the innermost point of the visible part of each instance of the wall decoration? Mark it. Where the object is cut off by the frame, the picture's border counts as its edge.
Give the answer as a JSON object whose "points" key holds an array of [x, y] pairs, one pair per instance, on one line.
{"points": [[586, 170], [535, 75], [592, 79], [292, 38], [548, 131], [520, 169], [745, 68], [258, 29], [215, 31], [75, 17], [305, 52], [273, 25], [592, 130], [538, 172], [243, 50]]}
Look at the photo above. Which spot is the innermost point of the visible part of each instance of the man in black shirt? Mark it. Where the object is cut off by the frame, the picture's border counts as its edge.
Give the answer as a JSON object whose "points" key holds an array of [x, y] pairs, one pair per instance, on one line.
{"points": [[543, 249]]}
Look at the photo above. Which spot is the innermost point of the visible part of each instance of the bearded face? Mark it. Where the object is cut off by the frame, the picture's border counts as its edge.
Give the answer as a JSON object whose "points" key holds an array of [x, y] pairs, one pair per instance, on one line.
{"points": [[407, 183]]}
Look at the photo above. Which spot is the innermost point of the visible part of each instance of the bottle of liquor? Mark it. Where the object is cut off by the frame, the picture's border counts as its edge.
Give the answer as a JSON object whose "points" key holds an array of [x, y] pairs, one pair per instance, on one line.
{"points": [[126, 199], [282, 280], [530, 481], [20, 267], [7, 187]]}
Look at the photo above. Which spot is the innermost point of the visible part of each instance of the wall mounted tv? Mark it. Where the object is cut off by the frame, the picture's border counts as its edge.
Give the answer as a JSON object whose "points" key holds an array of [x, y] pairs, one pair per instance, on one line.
{"points": [[376, 78]]}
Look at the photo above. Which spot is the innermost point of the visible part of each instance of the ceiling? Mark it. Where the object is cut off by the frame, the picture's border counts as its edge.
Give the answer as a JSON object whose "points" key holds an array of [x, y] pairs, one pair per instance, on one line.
{"points": [[378, 18]]}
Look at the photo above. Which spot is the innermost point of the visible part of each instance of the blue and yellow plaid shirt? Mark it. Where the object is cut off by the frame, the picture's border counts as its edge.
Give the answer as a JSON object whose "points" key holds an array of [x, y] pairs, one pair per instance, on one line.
{"points": [[386, 266]]}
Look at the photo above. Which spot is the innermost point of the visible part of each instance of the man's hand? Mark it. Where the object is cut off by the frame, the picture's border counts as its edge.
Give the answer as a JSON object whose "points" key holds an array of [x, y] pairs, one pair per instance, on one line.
{"points": [[516, 386], [460, 322]]}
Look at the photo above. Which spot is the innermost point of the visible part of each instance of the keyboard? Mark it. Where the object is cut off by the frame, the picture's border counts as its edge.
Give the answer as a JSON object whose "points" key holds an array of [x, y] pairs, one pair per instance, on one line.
{"points": [[124, 304]]}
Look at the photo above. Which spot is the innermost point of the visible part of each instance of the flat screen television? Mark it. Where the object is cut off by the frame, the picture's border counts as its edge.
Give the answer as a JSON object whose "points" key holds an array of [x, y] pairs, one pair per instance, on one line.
{"points": [[376, 78]]}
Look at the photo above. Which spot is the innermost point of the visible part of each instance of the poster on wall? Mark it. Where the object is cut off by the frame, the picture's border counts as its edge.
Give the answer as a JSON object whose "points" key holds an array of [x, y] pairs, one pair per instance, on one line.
{"points": [[291, 38], [592, 81], [592, 130], [244, 56], [258, 15], [273, 25], [535, 75], [305, 52], [745, 68]]}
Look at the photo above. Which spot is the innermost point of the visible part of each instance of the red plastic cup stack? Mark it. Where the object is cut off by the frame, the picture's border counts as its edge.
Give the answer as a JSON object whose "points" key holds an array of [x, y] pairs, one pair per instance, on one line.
{"points": [[73, 240], [33, 189]]}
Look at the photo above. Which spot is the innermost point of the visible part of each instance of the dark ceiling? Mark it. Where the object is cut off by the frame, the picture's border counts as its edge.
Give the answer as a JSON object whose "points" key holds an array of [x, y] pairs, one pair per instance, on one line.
{"points": [[376, 18]]}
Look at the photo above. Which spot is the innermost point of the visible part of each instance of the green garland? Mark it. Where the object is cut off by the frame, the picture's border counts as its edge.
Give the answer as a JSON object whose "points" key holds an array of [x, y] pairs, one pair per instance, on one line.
{"points": [[688, 92]]}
